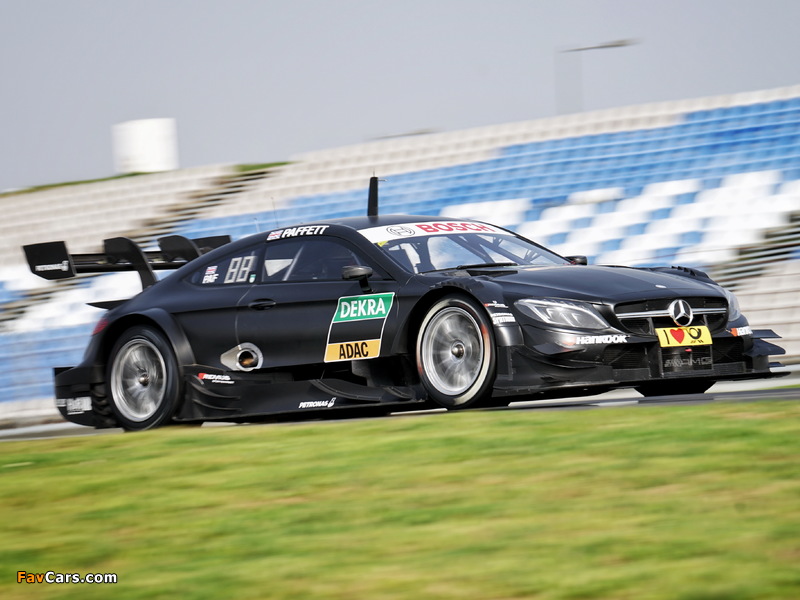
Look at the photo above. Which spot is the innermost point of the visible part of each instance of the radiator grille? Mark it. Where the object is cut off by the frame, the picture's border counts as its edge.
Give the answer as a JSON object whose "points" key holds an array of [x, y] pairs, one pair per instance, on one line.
{"points": [[644, 317]]}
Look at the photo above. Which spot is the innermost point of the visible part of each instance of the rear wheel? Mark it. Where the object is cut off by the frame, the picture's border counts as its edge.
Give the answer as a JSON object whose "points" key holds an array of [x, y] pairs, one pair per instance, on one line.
{"points": [[143, 382], [674, 388], [456, 354]]}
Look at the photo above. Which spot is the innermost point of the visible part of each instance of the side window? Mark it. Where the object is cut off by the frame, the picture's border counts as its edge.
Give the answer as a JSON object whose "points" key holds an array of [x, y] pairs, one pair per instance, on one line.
{"points": [[238, 268], [279, 258], [308, 260]]}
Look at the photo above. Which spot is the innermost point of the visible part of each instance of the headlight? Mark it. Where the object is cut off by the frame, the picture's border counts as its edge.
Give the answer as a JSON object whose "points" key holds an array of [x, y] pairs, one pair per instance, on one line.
{"points": [[734, 312], [563, 313]]}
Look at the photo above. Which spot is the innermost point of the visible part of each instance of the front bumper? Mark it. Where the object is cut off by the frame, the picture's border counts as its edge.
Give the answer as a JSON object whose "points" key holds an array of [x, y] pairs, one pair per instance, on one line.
{"points": [[546, 367]]}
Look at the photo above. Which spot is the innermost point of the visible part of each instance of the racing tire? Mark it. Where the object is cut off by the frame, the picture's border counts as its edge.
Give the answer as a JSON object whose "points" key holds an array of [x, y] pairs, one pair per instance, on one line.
{"points": [[455, 352], [673, 388], [143, 382]]}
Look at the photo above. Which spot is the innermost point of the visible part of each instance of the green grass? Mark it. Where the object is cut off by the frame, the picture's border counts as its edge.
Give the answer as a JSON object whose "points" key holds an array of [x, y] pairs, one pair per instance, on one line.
{"points": [[258, 166], [50, 186], [687, 502]]}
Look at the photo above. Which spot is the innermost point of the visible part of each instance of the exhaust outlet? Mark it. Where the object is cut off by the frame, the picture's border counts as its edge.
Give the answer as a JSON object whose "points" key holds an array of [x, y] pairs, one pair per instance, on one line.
{"points": [[247, 360], [244, 357]]}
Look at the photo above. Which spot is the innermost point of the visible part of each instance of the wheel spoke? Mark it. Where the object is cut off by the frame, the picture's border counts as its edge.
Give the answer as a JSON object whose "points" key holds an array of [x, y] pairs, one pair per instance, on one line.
{"points": [[448, 328], [452, 351], [139, 359], [138, 380], [148, 405]]}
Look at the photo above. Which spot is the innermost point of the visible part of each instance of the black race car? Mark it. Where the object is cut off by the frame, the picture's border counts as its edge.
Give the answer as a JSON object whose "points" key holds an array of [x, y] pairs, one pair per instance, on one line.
{"points": [[382, 314]]}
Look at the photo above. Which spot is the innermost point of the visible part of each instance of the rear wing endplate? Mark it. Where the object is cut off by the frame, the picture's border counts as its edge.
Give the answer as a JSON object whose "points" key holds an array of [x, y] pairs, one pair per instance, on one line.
{"points": [[51, 260]]}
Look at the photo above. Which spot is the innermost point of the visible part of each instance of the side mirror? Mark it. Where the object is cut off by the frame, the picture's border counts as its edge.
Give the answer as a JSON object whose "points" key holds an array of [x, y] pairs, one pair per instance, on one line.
{"points": [[361, 273], [577, 260]]}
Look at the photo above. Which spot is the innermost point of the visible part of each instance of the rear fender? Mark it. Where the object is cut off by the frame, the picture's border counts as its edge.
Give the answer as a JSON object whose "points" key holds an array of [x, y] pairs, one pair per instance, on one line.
{"points": [[159, 318]]}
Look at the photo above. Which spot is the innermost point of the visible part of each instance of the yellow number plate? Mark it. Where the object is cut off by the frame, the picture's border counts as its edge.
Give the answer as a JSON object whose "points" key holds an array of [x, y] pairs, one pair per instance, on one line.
{"points": [[683, 336]]}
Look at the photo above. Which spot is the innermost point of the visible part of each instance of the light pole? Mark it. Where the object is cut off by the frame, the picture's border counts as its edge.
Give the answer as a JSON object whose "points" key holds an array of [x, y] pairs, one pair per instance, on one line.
{"points": [[578, 75]]}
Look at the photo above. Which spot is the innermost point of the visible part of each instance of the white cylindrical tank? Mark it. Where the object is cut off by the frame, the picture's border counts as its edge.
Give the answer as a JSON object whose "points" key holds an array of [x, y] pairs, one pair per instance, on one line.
{"points": [[145, 146]]}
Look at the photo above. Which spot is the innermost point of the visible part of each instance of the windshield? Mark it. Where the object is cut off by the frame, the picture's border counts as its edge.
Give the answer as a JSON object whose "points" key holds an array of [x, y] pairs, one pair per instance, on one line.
{"points": [[424, 247]]}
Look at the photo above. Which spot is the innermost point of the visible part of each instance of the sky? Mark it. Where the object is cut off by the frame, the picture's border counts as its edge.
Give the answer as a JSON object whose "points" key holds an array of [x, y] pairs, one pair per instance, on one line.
{"points": [[252, 81]]}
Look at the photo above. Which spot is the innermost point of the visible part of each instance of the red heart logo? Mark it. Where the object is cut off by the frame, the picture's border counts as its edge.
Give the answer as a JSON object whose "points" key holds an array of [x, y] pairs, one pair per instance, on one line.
{"points": [[678, 334]]}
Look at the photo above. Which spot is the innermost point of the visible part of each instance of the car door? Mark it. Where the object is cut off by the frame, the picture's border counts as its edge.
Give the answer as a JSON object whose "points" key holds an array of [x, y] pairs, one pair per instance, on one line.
{"points": [[303, 312], [216, 290]]}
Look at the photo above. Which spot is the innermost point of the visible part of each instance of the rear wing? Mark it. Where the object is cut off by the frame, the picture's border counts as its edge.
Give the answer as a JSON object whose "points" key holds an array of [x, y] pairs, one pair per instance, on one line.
{"points": [[51, 260]]}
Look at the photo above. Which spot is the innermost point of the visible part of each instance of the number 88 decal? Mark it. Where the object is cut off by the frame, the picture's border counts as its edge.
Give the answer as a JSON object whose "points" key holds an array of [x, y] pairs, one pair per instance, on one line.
{"points": [[239, 269]]}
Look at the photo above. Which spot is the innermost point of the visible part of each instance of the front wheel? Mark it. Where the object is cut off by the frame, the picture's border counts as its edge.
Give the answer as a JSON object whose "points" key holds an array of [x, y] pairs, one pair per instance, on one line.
{"points": [[143, 382], [456, 353]]}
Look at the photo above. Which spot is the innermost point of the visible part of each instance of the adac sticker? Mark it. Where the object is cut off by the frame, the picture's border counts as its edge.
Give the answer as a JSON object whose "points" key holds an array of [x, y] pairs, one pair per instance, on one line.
{"points": [[356, 328], [357, 350]]}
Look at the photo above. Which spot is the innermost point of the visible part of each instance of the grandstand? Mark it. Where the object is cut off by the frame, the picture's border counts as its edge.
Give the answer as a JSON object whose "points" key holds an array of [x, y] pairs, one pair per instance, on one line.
{"points": [[711, 182]]}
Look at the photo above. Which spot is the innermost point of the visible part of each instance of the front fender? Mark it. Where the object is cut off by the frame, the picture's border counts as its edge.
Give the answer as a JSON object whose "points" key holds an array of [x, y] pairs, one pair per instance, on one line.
{"points": [[489, 294]]}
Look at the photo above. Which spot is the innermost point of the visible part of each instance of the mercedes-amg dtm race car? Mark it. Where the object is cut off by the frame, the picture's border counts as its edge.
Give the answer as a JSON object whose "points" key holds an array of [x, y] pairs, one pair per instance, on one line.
{"points": [[386, 313]]}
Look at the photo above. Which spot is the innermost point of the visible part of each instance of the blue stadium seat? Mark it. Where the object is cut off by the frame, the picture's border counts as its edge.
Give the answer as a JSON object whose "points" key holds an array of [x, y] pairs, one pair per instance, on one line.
{"points": [[691, 237], [661, 213], [611, 245], [556, 239], [636, 229]]}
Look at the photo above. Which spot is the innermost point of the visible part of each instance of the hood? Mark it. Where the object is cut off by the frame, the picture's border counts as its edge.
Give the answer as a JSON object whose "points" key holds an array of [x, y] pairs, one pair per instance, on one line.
{"points": [[599, 283]]}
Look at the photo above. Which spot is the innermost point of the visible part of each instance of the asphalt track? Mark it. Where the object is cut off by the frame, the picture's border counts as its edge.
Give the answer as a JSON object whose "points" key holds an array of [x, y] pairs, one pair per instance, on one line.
{"points": [[722, 392]]}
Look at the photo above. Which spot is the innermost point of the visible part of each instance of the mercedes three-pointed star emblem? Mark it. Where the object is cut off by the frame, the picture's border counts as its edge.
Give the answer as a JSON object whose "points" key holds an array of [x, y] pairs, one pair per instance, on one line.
{"points": [[681, 313]]}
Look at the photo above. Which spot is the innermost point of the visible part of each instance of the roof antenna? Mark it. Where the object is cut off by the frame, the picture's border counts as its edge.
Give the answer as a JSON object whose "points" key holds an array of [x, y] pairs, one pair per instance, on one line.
{"points": [[372, 201], [274, 211]]}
